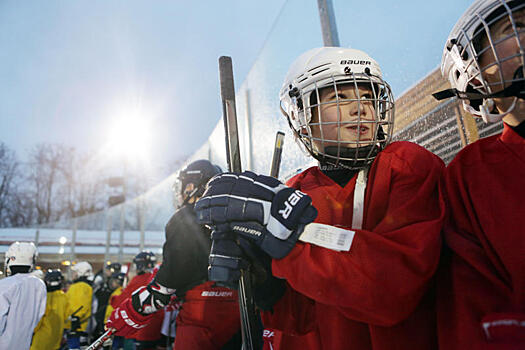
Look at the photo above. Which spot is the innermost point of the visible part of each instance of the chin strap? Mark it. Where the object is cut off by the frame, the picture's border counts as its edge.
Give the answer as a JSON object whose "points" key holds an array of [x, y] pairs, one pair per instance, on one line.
{"points": [[516, 89], [485, 101], [189, 197], [359, 199], [486, 107]]}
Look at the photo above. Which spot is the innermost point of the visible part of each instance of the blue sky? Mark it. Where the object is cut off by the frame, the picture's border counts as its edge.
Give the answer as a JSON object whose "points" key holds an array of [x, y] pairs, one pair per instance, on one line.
{"points": [[68, 68]]}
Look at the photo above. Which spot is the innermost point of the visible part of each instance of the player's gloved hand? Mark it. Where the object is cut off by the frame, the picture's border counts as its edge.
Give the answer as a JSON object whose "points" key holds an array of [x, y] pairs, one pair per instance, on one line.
{"points": [[229, 254], [268, 289], [226, 259], [257, 207], [75, 323], [126, 320], [151, 298]]}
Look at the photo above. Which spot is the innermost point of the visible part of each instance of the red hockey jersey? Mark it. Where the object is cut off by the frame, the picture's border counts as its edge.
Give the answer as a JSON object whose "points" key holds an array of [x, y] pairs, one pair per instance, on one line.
{"points": [[378, 294], [481, 295], [207, 319]]}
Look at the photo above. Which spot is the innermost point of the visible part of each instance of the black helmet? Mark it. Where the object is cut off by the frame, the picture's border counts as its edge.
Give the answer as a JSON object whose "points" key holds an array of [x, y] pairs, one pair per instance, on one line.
{"points": [[118, 276], [53, 280], [198, 173], [114, 267], [145, 260]]}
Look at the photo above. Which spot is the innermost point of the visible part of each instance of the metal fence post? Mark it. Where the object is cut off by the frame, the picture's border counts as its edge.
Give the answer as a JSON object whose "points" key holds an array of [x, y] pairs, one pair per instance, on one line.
{"points": [[74, 239]]}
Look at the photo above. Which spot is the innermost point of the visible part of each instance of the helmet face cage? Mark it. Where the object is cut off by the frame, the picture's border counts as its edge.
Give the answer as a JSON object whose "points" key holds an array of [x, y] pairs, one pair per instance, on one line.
{"points": [[328, 126], [472, 38], [198, 173], [356, 153]]}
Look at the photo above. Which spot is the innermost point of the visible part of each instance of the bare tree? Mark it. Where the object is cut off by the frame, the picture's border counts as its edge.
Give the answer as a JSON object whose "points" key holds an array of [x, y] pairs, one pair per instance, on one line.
{"points": [[45, 165], [20, 212], [83, 187], [9, 174]]}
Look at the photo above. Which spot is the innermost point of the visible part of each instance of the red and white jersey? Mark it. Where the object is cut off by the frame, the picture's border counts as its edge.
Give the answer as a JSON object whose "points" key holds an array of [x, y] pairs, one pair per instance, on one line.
{"points": [[481, 295], [152, 331], [377, 295]]}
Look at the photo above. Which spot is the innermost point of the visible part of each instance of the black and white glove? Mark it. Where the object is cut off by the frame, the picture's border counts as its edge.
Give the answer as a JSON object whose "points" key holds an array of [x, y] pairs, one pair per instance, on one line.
{"points": [[258, 208], [151, 298]]}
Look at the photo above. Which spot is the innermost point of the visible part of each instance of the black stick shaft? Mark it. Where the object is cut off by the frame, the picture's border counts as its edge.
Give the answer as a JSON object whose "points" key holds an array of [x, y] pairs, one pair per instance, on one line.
{"points": [[233, 155]]}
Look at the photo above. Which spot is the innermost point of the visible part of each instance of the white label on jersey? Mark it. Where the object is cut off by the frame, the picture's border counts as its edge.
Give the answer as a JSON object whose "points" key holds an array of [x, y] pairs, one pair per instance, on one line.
{"points": [[328, 236], [209, 293]]}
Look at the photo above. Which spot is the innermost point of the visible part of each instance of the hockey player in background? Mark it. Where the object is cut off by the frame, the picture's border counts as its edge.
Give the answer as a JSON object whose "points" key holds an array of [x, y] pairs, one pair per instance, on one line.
{"points": [[115, 283], [209, 316], [149, 336], [361, 275], [50, 329], [22, 297], [481, 296], [101, 294], [79, 297]]}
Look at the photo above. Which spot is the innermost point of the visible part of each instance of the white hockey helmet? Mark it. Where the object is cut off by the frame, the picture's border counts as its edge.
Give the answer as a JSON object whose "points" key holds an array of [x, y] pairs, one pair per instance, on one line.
{"points": [[20, 254], [82, 269], [331, 67], [460, 63]]}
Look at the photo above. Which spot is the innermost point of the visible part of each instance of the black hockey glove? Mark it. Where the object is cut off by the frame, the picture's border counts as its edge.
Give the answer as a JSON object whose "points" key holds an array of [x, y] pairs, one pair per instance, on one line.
{"points": [[226, 260], [268, 289], [75, 323], [256, 207], [151, 298], [229, 254]]}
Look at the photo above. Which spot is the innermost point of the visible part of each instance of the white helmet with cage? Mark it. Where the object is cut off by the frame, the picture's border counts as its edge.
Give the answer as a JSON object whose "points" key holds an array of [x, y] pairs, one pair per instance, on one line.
{"points": [[471, 38], [82, 269], [20, 254], [332, 67]]}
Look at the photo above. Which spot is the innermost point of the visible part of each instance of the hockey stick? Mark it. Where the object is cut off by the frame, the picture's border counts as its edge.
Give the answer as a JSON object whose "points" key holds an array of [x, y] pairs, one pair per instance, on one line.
{"points": [[97, 343], [246, 304], [74, 313], [277, 152]]}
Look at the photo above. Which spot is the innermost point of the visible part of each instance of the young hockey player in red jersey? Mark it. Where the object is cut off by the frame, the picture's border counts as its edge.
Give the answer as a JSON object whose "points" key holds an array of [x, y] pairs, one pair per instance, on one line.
{"points": [[209, 315], [149, 336], [481, 296], [360, 276]]}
